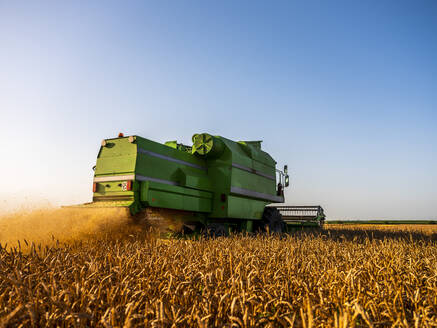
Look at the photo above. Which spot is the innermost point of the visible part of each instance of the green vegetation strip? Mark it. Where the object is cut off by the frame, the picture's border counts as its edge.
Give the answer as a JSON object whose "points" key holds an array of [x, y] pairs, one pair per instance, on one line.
{"points": [[383, 222]]}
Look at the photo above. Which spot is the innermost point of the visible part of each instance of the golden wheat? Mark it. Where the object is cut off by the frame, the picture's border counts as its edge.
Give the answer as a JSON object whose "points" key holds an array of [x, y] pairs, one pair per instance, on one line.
{"points": [[353, 276]]}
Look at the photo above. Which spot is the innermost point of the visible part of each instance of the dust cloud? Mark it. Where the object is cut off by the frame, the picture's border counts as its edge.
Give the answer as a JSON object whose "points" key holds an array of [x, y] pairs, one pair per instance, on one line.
{"points": [[48, 226]]}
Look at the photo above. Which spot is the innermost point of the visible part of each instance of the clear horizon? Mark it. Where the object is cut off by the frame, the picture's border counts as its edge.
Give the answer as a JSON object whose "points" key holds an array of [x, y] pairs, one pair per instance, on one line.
{"points": [[345, 93]]}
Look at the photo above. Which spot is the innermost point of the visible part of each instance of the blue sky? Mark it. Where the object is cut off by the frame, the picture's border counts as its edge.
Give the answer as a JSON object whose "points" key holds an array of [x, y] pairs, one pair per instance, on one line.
{"points": [[344, 92]]}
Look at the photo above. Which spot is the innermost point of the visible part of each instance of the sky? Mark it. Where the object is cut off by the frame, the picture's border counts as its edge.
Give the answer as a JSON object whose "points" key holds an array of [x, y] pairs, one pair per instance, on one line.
{"points": [[344, 92]]}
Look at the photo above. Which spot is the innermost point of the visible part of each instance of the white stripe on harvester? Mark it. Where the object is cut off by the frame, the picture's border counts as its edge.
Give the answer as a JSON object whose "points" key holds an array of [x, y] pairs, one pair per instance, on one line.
{"points": [[171, 159]]}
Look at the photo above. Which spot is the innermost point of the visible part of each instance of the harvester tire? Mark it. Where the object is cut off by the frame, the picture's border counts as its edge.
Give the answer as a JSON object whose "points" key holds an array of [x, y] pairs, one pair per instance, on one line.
{"points": [[215, 230], [272, 221]]}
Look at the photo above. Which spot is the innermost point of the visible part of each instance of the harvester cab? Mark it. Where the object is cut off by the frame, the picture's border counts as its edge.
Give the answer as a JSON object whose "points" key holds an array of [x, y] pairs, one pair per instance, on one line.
{"points": [[216, 183]]}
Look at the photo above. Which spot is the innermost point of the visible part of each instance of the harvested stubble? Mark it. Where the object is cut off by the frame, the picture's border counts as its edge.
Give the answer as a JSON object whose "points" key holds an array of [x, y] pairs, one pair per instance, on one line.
{"points": [[339, 277]]}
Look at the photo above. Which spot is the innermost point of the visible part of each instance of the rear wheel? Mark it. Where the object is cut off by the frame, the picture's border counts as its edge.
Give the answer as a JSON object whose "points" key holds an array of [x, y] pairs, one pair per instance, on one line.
{"points": [[272, 221], [216, 230]]}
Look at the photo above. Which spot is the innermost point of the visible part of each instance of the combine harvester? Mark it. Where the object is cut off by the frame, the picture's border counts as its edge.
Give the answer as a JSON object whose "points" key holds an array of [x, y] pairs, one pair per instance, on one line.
{"points": [[216, 185]]}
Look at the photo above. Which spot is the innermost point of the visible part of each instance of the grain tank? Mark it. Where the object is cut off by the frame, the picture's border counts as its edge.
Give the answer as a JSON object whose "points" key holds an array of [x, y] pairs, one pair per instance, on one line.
{"points": [[216, 183]]}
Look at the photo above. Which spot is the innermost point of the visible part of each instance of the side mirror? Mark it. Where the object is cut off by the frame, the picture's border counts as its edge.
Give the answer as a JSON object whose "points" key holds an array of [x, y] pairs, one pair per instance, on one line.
{"points": [[287, 180], [285, 169]]}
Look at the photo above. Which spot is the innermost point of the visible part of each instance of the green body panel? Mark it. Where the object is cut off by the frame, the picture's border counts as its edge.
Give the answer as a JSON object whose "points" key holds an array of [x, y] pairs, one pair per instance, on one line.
{"points": [[118, 156], [217, 178], [240, 206], [152, 166], [160, 195]]}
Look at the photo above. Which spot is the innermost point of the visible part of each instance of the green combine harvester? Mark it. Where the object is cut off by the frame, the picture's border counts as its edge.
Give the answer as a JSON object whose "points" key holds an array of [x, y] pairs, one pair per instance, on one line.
{"points": [[216, 185]]}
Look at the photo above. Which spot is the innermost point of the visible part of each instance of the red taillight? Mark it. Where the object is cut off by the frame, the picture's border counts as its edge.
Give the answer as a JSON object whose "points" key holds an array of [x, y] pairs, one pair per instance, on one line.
{"points": [[94, 187], [129, 185]]}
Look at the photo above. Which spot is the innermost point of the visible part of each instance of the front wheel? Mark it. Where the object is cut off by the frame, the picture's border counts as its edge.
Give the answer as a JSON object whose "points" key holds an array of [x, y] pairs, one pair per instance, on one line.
{"points": [[272, 221]]}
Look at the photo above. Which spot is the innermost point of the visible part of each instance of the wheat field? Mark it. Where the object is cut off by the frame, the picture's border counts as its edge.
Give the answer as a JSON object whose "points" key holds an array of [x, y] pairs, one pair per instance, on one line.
{"points": [[342, 276]]}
